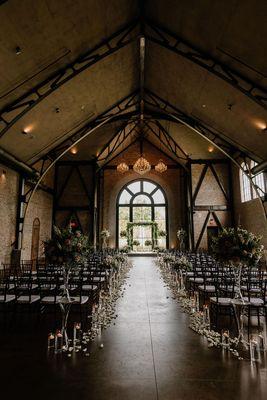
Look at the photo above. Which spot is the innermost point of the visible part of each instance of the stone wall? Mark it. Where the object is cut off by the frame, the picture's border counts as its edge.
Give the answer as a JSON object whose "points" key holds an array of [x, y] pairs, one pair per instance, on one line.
{"points": [[8, 209], [170, 181]]}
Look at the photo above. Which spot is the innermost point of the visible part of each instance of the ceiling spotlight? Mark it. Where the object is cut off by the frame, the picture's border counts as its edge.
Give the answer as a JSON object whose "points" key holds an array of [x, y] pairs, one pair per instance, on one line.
{"points": [[74, 150], [204, 105], [24, 132], [57, 110], [210, 149], [18, 50], [3, 173]]}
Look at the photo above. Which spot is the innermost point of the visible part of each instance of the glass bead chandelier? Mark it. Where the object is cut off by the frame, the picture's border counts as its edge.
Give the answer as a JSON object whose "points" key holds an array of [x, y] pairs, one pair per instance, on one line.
{"points": [[141, 166], [122, 167], [161, 167]]}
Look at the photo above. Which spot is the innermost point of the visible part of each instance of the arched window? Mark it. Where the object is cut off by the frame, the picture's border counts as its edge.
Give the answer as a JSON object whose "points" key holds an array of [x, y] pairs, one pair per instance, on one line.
{"points": [[247, 190], [140, 202]]}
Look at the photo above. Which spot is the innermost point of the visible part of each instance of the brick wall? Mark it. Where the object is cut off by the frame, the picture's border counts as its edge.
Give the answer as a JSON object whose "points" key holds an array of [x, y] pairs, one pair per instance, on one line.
{"points": [[41, 207], [170, 181], [8, 201], [209, 194]]}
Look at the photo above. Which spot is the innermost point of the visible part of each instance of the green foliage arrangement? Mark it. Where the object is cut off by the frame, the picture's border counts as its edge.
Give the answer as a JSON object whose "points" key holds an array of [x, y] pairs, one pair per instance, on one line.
{"points": [[148, 242], [237, 246]]}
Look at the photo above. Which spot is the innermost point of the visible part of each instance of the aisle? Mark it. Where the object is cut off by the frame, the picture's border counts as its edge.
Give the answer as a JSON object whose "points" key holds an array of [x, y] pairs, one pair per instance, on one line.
{"points": [[152, 354], [149, 354]]}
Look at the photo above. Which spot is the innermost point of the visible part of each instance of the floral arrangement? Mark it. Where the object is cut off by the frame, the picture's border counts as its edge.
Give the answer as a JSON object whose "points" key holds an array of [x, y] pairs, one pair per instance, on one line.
{"points": [[105, 234], [148, 242], [125, 249], [162, 233], [237, 246], [67, 247], [110, 262], [120, 258], [182, 263], [168, 258], [136, 243], [181, 234]]}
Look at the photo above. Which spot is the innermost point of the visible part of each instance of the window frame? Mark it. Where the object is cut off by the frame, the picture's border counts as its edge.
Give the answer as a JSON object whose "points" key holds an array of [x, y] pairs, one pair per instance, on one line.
{"points": [[131, 205]]}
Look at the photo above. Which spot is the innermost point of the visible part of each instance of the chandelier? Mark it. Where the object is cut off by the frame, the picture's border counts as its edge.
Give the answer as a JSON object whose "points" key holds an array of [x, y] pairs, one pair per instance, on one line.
{"points": [[122, 167], [161, 167], [141, 166]]}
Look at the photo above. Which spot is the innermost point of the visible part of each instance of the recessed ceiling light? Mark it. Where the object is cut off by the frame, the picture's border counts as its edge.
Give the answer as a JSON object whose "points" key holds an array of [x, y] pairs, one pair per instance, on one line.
{"points": [[74, 150], [210, 149], [204, 105], [18, 50], [260, 124]]}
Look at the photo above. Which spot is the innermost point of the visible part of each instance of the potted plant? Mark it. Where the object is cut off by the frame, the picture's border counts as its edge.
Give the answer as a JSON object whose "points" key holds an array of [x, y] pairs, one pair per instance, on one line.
{"points": [[136, 243], [148, 243]]}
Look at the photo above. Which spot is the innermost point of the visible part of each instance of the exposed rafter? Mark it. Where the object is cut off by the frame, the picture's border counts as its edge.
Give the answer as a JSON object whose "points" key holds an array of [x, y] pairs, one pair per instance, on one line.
{"points": [[159, 135], [166, 139], [116, 141], [155, 101], [169, 40], [29, 100], [127, 103]]}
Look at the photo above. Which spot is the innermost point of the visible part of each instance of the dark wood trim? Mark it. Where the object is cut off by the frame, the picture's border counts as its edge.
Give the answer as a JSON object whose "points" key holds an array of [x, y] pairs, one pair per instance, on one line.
{"points": [[200, 181], [203, 230]]}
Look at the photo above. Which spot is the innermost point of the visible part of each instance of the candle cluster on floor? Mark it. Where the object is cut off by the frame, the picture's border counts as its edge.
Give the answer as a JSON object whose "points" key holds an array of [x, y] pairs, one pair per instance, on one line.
{"points": [[102, 315]]}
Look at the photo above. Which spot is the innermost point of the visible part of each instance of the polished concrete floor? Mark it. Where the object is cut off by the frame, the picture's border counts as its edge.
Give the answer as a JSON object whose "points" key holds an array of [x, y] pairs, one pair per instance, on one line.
{"points": [[149, 354]]}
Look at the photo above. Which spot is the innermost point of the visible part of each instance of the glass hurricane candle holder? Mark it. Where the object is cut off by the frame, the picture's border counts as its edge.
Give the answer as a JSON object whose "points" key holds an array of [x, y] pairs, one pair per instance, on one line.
{"points": [[58, 341], [196, 296], [76, 334], [206, 315], [225, 338], [254, 349], [51, 341]]}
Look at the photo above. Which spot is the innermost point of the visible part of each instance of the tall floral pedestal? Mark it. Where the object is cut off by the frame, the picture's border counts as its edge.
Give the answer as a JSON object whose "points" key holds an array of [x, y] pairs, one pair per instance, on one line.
{"points": [[65, 305]]}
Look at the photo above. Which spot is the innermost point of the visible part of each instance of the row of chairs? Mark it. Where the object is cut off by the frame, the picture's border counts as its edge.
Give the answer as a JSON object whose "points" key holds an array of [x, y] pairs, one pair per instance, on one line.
{"points": [[215, 284], [39, 286]]}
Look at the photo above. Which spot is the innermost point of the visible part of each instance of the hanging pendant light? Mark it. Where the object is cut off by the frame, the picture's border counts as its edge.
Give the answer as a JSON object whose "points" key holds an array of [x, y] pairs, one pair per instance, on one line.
{"points": [[161, 167], [141, 166], [122, 167]]}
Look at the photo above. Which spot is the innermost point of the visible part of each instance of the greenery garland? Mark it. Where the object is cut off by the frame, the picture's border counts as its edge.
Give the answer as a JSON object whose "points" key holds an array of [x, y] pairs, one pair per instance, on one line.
{"points": [[131, 225]]}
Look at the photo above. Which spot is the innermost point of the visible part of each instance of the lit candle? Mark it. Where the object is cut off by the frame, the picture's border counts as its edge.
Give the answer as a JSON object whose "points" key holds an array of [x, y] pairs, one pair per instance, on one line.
{"points": [[51, 340]]}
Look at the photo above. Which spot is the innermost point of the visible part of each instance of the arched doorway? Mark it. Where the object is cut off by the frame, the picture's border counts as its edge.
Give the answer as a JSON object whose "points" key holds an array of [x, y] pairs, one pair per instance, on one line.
{"points": [[142, 202], [35, 240]]}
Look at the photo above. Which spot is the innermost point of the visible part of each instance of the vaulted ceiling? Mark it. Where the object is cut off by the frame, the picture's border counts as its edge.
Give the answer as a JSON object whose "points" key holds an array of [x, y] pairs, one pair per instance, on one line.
{"points": [[66, 66]]}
